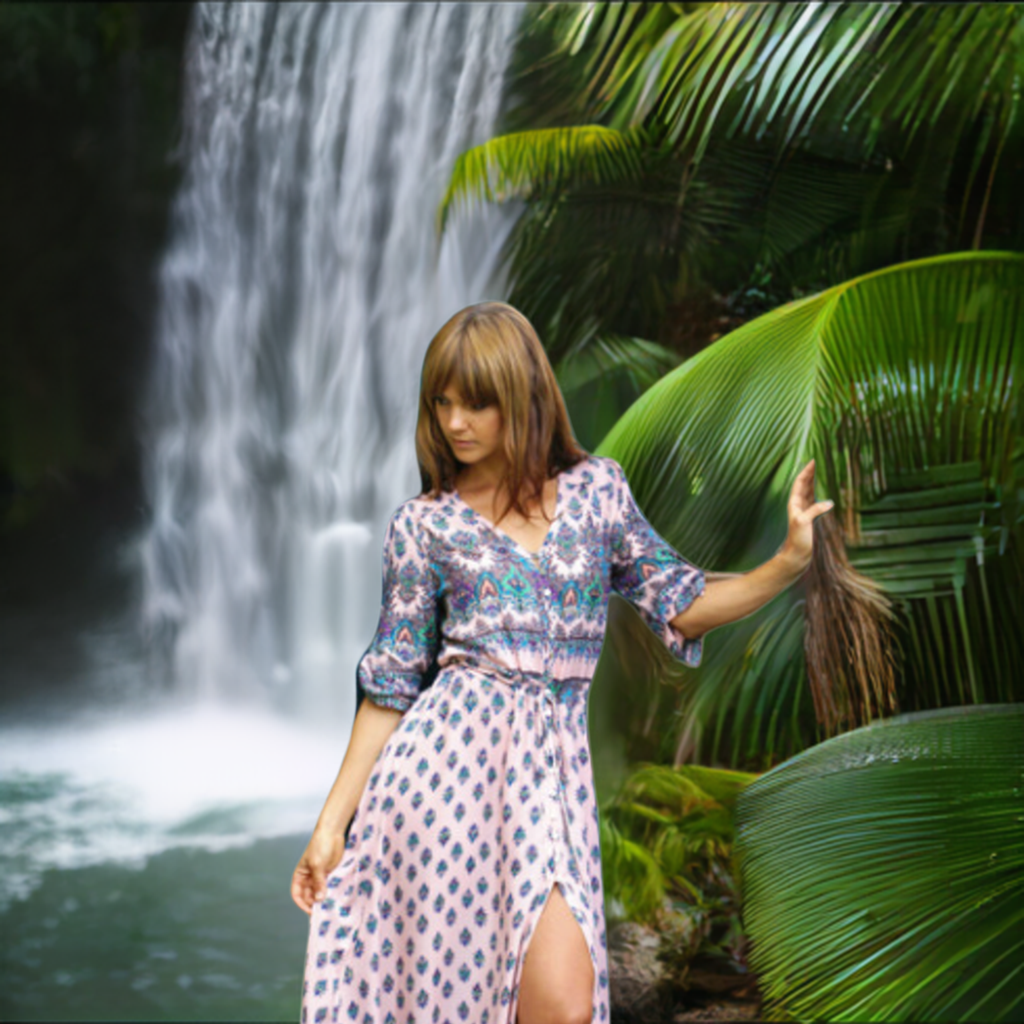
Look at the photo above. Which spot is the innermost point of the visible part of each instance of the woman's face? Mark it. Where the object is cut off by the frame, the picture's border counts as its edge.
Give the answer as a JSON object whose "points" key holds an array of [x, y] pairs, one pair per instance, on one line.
{"points": [[473, 431]]}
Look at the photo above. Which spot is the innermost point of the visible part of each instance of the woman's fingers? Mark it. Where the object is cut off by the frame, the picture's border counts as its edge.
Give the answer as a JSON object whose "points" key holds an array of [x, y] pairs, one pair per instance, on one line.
{"points": [[306, 886], [300, 892], [309, 883], [802, 495]]}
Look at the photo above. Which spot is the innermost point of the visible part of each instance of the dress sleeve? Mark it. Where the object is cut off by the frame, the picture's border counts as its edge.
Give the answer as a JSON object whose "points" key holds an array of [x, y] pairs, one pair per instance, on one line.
{"points": [[649, 573], [403, 648]]}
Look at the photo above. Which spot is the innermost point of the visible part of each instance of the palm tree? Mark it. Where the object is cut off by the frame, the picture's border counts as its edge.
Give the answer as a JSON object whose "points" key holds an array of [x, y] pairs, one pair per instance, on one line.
{"points": [[907, 388], [723, 144], [823, 154]]}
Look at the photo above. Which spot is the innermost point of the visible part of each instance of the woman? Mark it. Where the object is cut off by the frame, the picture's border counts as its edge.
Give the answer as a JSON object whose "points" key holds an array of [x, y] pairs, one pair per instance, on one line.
{"points": [[469, 885]]}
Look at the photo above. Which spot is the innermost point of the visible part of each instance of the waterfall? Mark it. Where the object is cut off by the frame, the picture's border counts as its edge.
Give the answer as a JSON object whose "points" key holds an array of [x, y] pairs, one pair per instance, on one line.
{"points": [[302, 282]]}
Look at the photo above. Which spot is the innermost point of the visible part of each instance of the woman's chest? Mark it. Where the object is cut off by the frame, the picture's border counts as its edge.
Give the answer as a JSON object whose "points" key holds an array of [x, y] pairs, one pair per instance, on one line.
{"points": [[483, 573]]}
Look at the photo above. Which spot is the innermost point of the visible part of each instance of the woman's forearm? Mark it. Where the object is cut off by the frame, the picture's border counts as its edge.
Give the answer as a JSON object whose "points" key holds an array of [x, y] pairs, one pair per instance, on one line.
{"points": [[727, 600], [370, 731]]}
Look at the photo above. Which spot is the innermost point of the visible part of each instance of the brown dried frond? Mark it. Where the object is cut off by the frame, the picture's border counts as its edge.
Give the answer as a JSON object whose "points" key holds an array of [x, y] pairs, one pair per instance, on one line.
{"points": [[848, 637]]}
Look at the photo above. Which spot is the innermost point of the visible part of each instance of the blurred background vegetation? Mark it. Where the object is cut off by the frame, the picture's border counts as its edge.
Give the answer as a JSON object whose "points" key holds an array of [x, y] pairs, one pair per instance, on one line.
{"points": [[90, 97]]}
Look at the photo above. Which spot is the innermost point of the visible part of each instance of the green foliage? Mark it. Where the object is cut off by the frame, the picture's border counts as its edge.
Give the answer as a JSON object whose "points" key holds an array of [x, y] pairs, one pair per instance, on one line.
{"points": [[883, 872], [914, 370], [542, 88], [71, 41], [541, 163], [666, 838], [934, 538], [816, 144], [600, 259], [602, 380], [631, 874], [698, 70]]}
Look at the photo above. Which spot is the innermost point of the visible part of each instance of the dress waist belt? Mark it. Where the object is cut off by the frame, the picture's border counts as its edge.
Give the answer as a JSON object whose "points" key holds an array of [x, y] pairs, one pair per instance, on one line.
{"points": [[539, 682]]}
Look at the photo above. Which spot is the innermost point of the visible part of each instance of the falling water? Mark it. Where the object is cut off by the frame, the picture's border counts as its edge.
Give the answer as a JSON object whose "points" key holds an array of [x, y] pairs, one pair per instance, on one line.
{"points": [[303, 281]]}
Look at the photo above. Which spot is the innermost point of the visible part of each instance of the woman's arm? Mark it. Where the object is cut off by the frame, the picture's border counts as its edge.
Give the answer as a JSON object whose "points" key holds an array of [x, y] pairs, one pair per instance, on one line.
{"points": [[389, 675], [371, 728], [726, 600], [739, 594], [370, 731]]}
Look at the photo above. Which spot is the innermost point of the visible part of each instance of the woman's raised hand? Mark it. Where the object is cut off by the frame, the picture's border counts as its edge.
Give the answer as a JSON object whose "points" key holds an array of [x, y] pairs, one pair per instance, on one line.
{"points": [[803, 510], [322, 856]]}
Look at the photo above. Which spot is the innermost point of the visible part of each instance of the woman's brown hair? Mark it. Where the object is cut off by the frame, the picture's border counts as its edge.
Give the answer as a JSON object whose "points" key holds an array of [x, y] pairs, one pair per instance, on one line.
{"points": [[490, 352]]}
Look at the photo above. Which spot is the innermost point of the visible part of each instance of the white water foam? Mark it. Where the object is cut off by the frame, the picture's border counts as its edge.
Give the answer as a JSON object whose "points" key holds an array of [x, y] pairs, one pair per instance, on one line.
{"points": [[208, 776]]}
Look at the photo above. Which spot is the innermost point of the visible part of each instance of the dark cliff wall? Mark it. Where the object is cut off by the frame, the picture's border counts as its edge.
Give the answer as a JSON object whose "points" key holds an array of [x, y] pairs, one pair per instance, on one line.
{"points": [[89, 119]]}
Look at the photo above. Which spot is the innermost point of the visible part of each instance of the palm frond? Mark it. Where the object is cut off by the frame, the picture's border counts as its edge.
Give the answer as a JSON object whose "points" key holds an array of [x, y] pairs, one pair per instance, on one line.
{"points": [[883, 872], [739, 68], [616, 39], [595, 264], [602, 379], [527, 164], [906, 370]]}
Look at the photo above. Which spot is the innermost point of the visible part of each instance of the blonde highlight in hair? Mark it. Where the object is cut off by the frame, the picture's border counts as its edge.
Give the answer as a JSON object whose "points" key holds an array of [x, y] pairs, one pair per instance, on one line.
{"points": [[489, 352]]}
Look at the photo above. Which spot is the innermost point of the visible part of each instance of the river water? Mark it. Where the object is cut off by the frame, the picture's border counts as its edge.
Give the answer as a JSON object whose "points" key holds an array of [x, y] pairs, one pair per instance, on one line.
{"points": [[172, 724]]}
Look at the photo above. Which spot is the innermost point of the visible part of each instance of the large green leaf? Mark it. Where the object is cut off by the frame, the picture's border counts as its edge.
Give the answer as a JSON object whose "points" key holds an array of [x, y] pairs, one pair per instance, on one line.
{"points": [[600, 381], [795, 70], [904, 371], [882, 872], [546, 161]]}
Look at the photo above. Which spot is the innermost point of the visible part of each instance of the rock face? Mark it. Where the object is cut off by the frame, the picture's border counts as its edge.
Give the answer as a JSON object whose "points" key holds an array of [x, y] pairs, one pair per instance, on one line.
{"points": [[724, 1012], [641, 989], [656, 978]]}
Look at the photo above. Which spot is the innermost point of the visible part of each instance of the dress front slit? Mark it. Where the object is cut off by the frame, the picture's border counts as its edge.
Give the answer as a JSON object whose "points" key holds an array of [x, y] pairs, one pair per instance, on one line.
{"points": [[580, 916], [562, 860]]}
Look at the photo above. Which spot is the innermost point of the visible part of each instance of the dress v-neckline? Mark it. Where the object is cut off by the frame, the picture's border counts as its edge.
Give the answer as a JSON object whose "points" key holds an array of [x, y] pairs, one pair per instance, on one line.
{"points": [[533, 555]]}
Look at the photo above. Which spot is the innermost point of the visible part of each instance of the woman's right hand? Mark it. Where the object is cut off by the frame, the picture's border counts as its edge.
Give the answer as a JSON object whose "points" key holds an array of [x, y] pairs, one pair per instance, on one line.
{"points": [[322, 856]]}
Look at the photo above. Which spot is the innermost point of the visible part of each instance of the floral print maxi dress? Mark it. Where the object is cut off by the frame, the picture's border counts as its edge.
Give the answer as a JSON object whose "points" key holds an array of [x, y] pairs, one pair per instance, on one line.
{"points": [[482, 798]]}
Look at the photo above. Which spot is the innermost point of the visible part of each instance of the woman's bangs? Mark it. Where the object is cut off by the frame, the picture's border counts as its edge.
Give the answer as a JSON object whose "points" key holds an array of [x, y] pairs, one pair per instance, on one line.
{"points": [[462, 367]]}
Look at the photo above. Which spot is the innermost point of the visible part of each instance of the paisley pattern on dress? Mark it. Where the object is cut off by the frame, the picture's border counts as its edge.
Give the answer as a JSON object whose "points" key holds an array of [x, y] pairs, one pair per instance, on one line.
{"points": [[483, 798]]}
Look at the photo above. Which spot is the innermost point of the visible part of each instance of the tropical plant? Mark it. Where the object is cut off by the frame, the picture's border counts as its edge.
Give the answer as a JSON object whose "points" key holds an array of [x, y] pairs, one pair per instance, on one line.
{"points": [[898, 384], [666, 838], [706, 139], [723, 159], [608, 376], [697, 67], [882, 872]]}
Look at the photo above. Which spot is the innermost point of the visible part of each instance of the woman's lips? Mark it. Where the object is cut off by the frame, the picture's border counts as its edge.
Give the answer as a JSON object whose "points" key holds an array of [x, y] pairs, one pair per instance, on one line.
{"points": [[464, 444]]}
